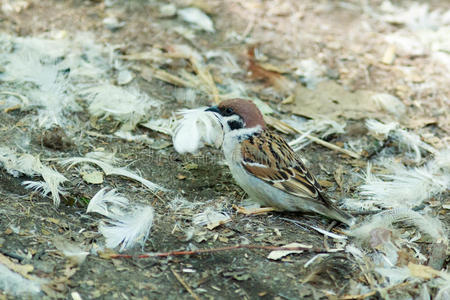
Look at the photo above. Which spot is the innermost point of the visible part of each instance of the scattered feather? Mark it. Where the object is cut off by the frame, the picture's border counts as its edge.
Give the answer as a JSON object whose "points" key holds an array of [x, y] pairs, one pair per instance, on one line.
{"points": [[406, 140], [395, 275], [197, 18], [27, 164], [14, 284], [195, 129], [412, 141], [180, 203], [310, 72], [186, 96], [128, 106], [211, 218], [75, 253], [379, 128], [406, 187], [129, 229], [165, 126], [126, 226], [426, 224], [390, 104], [103, 199], [111, 170]]}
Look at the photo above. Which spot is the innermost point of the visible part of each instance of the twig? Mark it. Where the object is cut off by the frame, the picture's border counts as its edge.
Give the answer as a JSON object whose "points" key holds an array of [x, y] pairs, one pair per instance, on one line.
{"points": [[186, 286], [220, 249], [284, 127], [330, 145], [170, 78]]}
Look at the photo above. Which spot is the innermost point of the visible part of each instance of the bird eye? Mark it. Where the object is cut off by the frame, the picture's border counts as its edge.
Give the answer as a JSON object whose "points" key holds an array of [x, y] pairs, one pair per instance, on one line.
{"points": [[229, 111]]}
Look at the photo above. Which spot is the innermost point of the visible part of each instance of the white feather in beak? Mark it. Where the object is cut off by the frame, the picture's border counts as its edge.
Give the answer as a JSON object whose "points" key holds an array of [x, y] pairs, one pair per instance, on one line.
{"points": [[198, 127]]}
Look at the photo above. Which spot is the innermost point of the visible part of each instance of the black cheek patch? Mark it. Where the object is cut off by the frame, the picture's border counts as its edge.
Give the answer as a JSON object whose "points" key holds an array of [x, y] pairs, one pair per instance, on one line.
{"points": [[235, 125]]}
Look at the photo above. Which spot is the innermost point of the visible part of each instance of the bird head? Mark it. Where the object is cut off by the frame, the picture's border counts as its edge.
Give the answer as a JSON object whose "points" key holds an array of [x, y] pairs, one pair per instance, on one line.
{"points": [[238, 114]]}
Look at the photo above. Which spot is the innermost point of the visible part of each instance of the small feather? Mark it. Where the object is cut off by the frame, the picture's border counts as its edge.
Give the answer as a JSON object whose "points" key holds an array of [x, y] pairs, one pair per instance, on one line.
{"points": [[128, 230]]}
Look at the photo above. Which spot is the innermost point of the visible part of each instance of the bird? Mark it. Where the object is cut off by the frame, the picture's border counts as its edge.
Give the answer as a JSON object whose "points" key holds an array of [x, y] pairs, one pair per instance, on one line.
{"points": [[266, 167]]}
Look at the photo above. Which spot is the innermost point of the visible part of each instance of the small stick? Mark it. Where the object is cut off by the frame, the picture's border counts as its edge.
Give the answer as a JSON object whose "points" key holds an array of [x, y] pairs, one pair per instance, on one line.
{"points": [[213, 250], [170, 78], [278, 123], [186, 286], [330, 145]]}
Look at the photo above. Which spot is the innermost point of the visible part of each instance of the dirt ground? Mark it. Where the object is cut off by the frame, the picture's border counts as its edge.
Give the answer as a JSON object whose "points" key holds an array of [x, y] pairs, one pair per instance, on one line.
{"points": [[325, 30]]}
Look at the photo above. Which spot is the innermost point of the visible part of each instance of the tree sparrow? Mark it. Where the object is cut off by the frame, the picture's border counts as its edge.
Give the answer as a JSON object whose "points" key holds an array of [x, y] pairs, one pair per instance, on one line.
{"points": [[266, 167]]}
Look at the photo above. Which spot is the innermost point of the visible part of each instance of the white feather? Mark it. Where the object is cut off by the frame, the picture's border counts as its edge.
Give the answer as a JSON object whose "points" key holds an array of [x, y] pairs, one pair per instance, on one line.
{"points": [[380, 128], [197, 18], [102, 199], [394, 275], [129, 229], [426, 224], [405, 187], [110, 170], [74, 252], [180, 203], [195, 129], [16, 285], [50, 92], [390, 103], [17, 164], [310, 72], [165, 126], [126, 105], [444, 292], [412, 141], [210, 216], [37, 186]]}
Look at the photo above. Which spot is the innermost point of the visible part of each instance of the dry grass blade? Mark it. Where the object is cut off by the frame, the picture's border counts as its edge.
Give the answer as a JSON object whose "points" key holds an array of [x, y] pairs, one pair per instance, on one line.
{"points": [[185, 285], [206, 77], [172, 79], [286, 128]]}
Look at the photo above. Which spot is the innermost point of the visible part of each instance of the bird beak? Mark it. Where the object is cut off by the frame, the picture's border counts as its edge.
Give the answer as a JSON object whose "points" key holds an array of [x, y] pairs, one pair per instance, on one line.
{"points": [[214, 108]]}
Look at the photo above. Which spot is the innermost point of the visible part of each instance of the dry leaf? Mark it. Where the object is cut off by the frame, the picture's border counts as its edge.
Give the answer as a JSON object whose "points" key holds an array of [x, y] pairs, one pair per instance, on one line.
{"points": [[95, 177], [18, 268], [422, 271], [332, 101]]}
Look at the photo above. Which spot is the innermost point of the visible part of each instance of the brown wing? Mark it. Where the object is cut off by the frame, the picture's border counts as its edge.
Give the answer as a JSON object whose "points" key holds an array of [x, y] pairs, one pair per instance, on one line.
{"points": [[268, 157]]}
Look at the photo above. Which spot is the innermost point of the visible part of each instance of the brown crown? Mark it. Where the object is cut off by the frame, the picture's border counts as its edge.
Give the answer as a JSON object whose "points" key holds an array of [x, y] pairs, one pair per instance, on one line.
{"points": [[247, 110]]}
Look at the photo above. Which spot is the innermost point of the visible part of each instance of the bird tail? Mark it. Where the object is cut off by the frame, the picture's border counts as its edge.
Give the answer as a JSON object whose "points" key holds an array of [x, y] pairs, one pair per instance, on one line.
{"points": [[340, 215], [327, 208]]}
